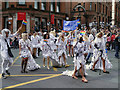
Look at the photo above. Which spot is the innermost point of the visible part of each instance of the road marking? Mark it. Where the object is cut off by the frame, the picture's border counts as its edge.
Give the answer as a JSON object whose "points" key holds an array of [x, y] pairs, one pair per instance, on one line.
{"points": [[33, 81], [55, 69], [32, 75], [15, 60]]}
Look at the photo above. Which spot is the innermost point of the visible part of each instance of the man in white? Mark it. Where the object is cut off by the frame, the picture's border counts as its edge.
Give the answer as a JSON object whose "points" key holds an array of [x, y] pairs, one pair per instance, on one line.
{"points": [[6, 54]]}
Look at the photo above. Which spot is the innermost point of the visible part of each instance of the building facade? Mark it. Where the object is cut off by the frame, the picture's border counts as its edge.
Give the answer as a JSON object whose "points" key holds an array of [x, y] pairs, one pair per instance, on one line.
{"points": [[33, 12], [40, 12]]}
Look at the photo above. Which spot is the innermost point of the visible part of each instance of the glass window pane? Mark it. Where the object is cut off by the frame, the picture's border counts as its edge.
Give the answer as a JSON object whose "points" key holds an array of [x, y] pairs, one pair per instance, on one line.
{"points": [[36, 4], [21, 1]]}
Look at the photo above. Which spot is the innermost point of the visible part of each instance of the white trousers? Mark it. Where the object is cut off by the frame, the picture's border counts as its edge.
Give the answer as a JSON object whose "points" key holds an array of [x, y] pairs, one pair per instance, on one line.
{"points": [[6, 64]]}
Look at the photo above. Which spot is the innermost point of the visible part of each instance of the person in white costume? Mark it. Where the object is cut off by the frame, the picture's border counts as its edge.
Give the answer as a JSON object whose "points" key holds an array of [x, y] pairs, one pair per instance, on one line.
{"points": [[61, 43], [46, 50], [70, 43], [6, 54], [91, 39], [35, 40], [53, 47], [25, 53], [99, 59], [79, 59]]}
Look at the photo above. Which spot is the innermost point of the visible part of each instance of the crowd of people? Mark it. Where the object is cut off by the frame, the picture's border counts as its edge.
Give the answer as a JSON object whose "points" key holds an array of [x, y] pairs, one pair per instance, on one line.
{"points": [[89, 47]]}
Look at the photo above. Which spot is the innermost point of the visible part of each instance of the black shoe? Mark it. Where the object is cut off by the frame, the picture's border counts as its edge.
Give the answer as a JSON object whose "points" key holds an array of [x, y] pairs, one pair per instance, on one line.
{"points": [[93, 70], [3, 75], [106, 72], [8, 72]]}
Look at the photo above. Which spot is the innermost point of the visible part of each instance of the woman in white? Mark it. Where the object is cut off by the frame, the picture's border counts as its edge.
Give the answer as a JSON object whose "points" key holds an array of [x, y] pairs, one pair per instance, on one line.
{"points": [[34, 41], [46, 50], [70, 43], [99, 54], [53, 47], [79, 59], [7, 59], [61, 43], [26, 54]]}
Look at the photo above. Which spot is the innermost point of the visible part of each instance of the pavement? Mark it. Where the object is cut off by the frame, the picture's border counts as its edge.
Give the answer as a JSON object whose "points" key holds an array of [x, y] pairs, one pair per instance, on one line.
{"points": [[44, 78]]}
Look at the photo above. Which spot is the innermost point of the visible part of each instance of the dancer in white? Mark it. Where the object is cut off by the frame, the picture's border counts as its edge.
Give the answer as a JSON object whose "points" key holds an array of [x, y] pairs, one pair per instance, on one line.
{"points": [[70, 43], [61, 43], [35, 40], [46, 52], [26, 54], [79, 59], [6, 54], [99, 54]]}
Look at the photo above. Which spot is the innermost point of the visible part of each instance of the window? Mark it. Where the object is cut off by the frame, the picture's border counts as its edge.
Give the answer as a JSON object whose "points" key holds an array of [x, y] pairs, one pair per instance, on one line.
{"points": [[95, 7], [58, 6], [43, 5], [90, 5], [79, 7], [84, 5], [106, 10], [5, 22], [36, 4], [59, 22], [6, 4], [44, 21], [99, 7], [22, 2], [103, 8], [52, 6]]}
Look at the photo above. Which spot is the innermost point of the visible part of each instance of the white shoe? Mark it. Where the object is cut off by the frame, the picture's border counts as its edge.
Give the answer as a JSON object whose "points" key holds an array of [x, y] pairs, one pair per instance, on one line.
{"points": [[68, 55], [86, 74]]}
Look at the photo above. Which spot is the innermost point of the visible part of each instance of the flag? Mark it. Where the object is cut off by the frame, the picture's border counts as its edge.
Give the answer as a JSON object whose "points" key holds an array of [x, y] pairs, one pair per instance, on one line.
{"points": [[45, 41], [78, 22], [82, 32], [24, 22]]}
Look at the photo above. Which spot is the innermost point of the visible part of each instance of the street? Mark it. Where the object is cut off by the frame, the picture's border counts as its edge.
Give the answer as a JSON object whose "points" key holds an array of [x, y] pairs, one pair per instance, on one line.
{"points": [[44, 78]]}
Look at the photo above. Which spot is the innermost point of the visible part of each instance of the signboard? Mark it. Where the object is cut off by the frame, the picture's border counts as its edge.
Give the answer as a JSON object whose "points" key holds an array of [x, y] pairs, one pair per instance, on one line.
{"points": [[70, 25], [52, 19], [21, 16]]}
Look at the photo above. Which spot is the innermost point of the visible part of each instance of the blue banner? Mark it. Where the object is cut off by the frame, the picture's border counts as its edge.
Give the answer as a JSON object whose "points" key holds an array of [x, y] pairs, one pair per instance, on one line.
{"points": [[70, 25]]}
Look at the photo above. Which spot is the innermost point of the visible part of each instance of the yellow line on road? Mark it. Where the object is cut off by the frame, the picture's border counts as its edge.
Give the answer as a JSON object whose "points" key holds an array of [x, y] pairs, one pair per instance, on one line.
{"points": [[15, 60], [32, 75], [33, 81]]}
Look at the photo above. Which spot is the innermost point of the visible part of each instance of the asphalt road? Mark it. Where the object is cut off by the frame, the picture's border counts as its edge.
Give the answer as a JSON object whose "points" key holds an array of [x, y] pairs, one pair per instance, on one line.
{"points": [[44, 78]]}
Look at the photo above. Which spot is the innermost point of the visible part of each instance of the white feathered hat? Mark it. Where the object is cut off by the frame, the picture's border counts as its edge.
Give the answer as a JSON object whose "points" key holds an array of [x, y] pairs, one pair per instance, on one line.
{"points": [[5, 30]]}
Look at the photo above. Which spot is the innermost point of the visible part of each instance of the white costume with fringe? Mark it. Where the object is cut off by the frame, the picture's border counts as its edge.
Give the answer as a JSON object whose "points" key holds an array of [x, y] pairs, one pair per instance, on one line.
{"points": [[6, 59], [31, 65], [35, 40], [100, 42]]}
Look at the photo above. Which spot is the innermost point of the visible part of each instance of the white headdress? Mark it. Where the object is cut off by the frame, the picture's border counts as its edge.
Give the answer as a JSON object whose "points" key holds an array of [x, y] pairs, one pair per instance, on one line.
{"points": [[5, 30]]}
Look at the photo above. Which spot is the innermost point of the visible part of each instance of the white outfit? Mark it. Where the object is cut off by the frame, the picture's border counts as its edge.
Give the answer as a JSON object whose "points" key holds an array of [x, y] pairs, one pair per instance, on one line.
{"points": [[35, 40], [31, 65], [96, 54], [79, 59], [62, 49], [6, 59], [45, 48]]}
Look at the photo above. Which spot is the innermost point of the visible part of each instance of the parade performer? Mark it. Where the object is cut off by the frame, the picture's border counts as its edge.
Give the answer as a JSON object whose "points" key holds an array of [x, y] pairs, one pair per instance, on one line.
{"points": [[79, 59], [6, 54], [99, 54], [35, 41], [61, 43], [46, 52], [53, 48], [70, 43], [25, 53]]}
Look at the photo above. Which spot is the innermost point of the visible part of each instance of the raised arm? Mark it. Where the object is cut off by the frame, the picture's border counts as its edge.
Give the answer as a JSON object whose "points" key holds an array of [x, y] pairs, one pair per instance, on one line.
{"points": [[16, 33]]}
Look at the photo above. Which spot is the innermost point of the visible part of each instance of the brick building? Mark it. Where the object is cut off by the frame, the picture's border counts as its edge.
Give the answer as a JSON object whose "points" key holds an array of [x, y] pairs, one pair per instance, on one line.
{"points": [[40, 12], [34, 11]]}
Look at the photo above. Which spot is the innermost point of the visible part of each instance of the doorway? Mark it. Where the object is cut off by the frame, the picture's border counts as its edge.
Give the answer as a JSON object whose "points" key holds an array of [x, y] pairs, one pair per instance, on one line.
{"points": [[19, 22]]}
